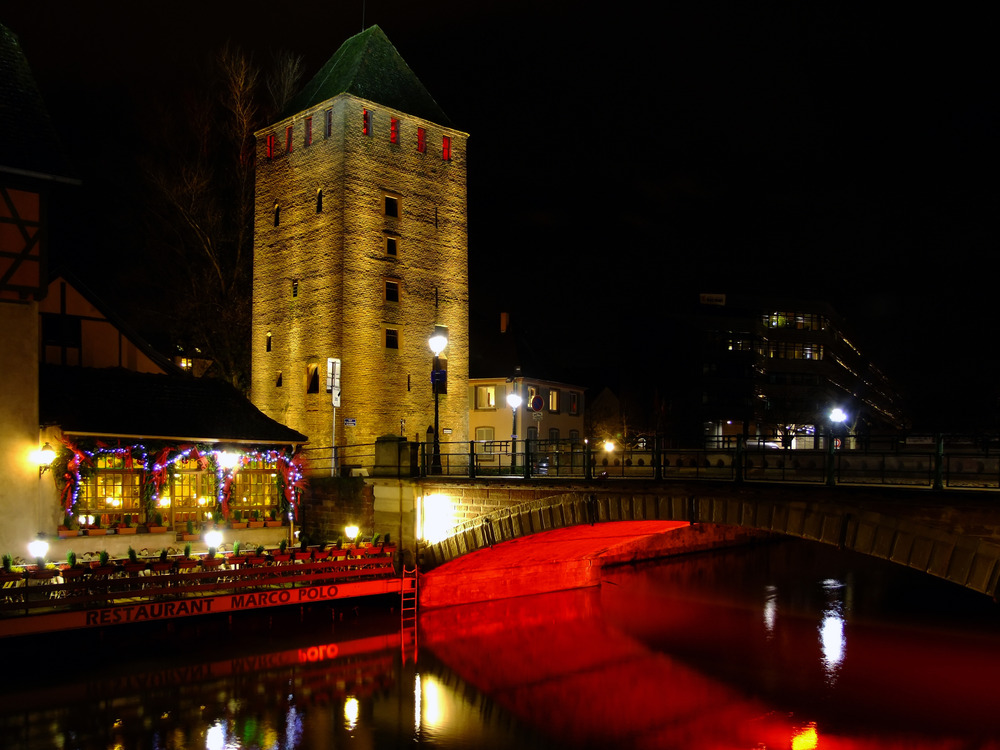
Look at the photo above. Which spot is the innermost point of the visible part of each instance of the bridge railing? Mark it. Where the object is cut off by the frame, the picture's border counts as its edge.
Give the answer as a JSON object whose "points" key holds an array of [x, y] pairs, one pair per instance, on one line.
{"points": [[894, 463]]}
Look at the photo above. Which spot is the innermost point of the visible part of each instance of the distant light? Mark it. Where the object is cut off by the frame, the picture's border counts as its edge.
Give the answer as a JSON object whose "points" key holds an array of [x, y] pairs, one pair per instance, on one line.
{"points": [[838, 415], [351, 712], [609, 446]]}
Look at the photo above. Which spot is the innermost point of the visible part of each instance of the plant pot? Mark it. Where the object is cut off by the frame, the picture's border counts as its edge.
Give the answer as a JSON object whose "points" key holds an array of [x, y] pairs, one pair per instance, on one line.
{"points": [[10, 577], [126, 530], [70, 574], [189, 537], [156, 529], [65, 533], [255, 524], [187, 563], [237, 524], [272, 524], [96, 532]]}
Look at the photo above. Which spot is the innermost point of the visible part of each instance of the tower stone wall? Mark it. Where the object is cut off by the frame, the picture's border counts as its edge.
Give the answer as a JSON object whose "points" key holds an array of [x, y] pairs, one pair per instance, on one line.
{"points": [[329, 257]]}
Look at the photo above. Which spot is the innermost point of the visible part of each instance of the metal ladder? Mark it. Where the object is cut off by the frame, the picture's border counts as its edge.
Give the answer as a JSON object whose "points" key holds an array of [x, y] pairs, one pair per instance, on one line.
{"points": [[408, 613]]}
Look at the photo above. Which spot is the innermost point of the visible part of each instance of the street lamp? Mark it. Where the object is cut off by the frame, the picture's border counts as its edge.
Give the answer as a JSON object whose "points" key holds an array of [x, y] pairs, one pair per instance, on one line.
{"points": [[513, 401], [437, 343]]}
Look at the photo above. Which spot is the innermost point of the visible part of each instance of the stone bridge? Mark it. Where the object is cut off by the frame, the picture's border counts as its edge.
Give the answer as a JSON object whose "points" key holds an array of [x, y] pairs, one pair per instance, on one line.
{"points": [[954, 535]]}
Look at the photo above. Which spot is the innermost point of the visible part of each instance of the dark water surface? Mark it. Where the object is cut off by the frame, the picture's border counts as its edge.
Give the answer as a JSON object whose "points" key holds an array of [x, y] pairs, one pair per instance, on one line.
{"points": [[789, 645]]}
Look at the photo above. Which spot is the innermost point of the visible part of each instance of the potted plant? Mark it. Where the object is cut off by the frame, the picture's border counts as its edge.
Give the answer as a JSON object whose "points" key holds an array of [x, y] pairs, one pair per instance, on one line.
{"points": [[10, 572], [186, 561], [256, 522], [163, 563], [236, 557], [69, 527], [126, 527], [156, 526], [282, 555], [95, 528], [273, 521], [190, 534], [73, 568], [134, 565], [236, 520]]}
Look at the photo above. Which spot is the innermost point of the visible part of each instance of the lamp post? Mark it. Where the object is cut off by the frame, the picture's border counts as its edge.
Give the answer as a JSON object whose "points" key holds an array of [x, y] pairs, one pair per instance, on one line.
{"points": [[513, 401], [437, 343]]}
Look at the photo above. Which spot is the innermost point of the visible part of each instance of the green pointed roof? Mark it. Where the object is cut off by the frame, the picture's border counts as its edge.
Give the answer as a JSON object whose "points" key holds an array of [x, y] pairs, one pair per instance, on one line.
{"points": [[369, 67]]}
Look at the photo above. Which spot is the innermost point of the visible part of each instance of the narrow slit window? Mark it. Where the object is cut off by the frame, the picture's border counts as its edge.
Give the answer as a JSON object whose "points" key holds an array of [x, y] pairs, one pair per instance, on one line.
{"points": [[267, 344], [319, 201], [289, 139], [446, 148], [295, 287], [366, 122], [328, 128], [271, 146], [309, 131], [277, 380], [393, 130], [312, 377], [277, 214], [421, 140]]}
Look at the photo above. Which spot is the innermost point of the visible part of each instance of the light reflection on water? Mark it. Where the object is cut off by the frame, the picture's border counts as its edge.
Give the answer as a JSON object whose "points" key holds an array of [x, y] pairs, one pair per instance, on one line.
{"points": [[780, 646]]}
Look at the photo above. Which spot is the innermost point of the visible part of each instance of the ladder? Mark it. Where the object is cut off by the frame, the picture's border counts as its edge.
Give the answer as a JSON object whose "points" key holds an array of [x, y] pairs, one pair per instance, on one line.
{"points": [[408, 612]]}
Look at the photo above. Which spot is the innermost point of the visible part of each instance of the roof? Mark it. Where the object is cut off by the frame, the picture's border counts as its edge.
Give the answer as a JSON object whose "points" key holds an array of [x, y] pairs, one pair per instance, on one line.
{"points": [[114, 402], [29, 145], [369, 67]]}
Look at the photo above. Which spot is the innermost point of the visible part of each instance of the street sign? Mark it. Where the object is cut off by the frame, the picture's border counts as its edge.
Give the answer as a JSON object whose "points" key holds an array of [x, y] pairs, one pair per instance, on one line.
{"points": [[350, 422], [537, 403], [538, 416]]}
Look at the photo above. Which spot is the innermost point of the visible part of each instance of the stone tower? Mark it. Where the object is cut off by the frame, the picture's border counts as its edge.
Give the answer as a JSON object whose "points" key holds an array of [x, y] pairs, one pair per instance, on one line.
{"points": [[360, 251]]}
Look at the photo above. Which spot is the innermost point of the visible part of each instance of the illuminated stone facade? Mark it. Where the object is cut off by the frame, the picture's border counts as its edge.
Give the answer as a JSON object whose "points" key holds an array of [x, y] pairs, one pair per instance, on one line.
{"points": [[360, 249]]}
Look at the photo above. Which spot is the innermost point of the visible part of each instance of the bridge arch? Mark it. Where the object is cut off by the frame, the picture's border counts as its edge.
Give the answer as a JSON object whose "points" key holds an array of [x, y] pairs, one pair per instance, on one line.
{"points": [[880, 529]]}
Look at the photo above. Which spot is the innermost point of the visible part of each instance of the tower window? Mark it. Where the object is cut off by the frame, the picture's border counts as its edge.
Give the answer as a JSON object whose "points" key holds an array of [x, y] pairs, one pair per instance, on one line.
{"points": [[421, 140], [267, 344], [289, 140], [295, 287], [309, 131], [277, 214], [328, 129], [392, 206], [319, 201], [366, 122], [312, 379], [392, 291], [391, 244], [277, 380], [270, 146], [446, 148], [391, 338], [393, 130]]}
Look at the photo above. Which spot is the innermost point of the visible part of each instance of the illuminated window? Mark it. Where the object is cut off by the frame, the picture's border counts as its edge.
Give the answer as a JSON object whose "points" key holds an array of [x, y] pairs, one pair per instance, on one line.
{"points": [[574, 403], [391, 246], [112, 490], [289, 140], [392, 291], [393, 130], [271, 146], [312, 379], [391, 338], [421, 140], [185, 363], [486, 397], [328, 127], [391, 207], [366, 122], [267, 345], [554, 400], [446, 148], [309, 131]]}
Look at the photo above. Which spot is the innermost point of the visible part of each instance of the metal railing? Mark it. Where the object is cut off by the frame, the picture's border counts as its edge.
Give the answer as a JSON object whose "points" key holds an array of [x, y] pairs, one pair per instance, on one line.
{"points": [[890, 461]]}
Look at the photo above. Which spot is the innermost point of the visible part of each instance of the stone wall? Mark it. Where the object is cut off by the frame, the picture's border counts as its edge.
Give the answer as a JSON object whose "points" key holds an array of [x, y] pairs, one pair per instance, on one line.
{"points": [[330, 504]]}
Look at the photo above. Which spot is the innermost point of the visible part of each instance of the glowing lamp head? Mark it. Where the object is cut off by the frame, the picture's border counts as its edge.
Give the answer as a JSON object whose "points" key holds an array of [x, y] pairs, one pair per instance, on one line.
{"points": [[227, 460], [609, 446], [513, 400], [38, 548], [351, 532], [439, 340], [45, 455], [213, 538], [838, 415]]}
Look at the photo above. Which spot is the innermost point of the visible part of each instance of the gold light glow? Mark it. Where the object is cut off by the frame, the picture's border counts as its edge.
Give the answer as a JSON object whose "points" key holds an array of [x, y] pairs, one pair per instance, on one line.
{"points": [[806, 739], [609, 446], [351, 711], [432, 711], [437, 518], [351, 532]]}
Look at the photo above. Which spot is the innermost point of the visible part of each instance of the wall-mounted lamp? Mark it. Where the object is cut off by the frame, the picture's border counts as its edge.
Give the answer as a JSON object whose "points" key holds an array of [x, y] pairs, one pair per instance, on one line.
{"points": [[351, 532], [44, 457]]}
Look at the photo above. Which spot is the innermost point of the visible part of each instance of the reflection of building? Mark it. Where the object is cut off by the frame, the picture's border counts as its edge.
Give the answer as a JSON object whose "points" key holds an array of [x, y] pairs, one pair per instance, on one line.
{"points": [[360, 249], [772, 370]]}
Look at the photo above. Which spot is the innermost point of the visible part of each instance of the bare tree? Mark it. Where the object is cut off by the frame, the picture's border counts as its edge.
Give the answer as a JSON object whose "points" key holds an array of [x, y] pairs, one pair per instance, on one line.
{"points": [[202, 173]]}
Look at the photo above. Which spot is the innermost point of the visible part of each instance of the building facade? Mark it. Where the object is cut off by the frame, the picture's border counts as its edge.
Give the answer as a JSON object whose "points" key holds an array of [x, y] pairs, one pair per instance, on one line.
{"points": [[360, 255], [774, 371]]}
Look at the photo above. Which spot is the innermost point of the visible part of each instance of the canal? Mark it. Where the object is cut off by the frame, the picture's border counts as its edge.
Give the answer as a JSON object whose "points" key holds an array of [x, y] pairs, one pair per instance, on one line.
{"points": [[787, 645]]}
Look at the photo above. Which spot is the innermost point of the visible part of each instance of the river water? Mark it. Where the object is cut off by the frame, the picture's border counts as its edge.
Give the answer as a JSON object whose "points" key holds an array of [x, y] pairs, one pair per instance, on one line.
{"points": [[789, 645]]}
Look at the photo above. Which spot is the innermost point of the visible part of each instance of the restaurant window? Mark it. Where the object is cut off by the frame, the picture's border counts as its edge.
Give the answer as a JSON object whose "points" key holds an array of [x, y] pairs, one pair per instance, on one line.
{"points": [[189, 495], [255, 488], [113, 490]]}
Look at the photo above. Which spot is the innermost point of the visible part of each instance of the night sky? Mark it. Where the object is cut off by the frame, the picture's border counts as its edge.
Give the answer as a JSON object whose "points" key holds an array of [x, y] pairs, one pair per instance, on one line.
{"points": [[621, 164]]}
